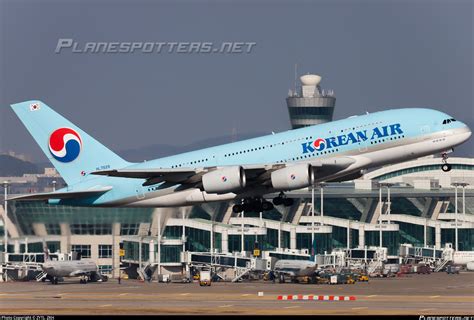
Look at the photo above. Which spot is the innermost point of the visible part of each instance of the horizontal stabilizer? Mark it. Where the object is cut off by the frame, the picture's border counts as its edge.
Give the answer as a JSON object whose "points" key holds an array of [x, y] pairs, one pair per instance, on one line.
{"points": [[62, 195]]}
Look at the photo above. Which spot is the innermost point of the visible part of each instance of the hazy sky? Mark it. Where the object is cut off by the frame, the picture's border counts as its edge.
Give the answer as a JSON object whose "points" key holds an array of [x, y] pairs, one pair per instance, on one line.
{"points": [[374, 54]]}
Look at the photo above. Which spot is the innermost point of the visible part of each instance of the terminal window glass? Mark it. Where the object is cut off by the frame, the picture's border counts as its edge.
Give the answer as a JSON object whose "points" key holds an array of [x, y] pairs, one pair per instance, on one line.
{"points": [[198, 240], [105, 251], [105, 268], [170, 253], [84, 249], [53, 228], [173, 232], [54, 246], [198, 212], [35, 247], [323, 242], [92, 229], [129, 229]]}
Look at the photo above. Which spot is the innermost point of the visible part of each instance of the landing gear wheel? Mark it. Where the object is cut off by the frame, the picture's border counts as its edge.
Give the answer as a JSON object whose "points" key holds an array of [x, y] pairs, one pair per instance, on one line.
{"points": [[281, 279], [267, 206], [446, 167], [278, 201]]}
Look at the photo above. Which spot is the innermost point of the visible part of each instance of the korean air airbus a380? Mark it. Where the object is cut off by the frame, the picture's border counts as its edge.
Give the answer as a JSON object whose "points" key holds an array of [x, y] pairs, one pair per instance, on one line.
{"points": [[244, 170]]}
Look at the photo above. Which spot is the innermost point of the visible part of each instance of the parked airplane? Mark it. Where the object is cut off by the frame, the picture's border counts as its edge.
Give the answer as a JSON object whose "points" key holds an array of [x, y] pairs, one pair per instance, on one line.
{"points": [[86, 269], [463, 257], [243, 171], [294, 269]]}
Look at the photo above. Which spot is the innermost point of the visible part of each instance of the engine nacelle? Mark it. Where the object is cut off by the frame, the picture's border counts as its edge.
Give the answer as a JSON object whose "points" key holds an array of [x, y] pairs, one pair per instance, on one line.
{"points": [[293, 177], [224, 180]]}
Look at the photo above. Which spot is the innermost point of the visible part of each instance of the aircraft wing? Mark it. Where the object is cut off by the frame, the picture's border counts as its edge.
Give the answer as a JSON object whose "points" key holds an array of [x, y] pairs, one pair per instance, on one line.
{"points": [[63, 195], [328, 167], [177, 175]]}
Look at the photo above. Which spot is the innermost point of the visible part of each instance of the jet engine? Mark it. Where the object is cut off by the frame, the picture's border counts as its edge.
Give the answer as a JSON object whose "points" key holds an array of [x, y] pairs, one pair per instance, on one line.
{"points": [[224, 180], [293, 177]]}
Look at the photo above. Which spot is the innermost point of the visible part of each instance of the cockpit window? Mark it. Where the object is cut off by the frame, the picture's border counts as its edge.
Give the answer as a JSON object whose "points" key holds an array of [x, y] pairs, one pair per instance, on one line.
{"points": [[446, 121]]}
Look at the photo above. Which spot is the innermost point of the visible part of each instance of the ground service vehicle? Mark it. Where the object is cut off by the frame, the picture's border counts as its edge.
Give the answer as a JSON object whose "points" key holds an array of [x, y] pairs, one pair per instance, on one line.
{"points": [[452, 269], [205, 278]]}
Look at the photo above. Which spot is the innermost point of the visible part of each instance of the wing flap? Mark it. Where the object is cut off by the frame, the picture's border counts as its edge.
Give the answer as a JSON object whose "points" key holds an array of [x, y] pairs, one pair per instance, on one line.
{"points": [[63, 195]]}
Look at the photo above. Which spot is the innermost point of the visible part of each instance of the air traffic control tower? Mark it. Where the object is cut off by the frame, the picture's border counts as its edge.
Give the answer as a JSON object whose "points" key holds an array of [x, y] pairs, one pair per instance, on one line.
{"points": [[308, 104]]}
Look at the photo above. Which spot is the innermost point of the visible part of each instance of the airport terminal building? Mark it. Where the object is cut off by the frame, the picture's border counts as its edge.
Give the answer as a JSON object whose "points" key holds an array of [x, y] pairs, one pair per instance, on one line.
{"points": [[412, 202], [348, 215]]}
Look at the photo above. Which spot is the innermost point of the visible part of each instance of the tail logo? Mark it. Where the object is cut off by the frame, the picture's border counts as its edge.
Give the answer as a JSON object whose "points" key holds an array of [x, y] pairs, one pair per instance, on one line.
{"points": [[65, 144]]}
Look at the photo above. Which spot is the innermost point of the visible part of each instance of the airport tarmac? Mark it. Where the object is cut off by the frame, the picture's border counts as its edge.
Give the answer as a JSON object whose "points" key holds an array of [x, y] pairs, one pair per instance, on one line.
{"points": [[437, 293]]}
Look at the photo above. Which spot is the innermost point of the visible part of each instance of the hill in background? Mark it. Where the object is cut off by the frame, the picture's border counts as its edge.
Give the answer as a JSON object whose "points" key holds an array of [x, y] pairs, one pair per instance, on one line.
{"points": [[14, 167]]}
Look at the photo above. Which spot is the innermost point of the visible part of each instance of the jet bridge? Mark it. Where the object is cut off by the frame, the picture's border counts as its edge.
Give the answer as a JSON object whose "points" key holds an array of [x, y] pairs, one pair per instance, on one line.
{"points": [[438, 258], [221, 263]]}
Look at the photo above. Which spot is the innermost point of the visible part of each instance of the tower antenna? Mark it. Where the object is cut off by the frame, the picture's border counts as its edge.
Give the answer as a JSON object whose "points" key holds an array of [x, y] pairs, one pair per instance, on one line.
{"points": [[296, 72]]}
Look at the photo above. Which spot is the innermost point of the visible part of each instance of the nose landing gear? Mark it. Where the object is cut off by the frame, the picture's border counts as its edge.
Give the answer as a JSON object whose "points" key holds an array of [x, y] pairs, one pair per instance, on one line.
{"points": [[446, 167]]}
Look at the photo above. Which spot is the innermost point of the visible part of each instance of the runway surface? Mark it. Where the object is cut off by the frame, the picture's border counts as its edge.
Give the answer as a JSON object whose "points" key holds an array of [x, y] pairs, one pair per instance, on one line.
{"points": [[414, 294]]}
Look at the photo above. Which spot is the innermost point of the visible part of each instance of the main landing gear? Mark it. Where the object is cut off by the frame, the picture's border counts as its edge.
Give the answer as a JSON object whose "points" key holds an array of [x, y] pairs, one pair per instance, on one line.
{"points": [[446, 167], [282, 200], [253, 205], [259, 204]]}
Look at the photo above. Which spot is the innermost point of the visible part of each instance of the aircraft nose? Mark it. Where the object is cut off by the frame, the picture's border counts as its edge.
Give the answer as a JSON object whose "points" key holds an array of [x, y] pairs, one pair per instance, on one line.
{"points": [[465, 133], [469, 130]]}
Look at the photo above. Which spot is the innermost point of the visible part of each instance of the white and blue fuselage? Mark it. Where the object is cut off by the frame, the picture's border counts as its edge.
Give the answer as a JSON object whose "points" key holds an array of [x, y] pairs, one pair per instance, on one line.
{"points": [[368, 141]]}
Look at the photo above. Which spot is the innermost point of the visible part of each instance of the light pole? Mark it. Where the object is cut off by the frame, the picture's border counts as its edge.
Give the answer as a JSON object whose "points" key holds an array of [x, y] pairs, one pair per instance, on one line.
{"points": [[456, 185], [183, 230], [322, 203], [380, 215], [242, 243], [5, 227], [54, 185], [212, 238], [389, 202], [312, 217]]}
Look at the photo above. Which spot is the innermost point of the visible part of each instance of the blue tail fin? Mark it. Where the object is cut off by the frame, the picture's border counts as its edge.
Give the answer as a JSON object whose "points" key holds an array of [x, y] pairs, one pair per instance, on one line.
{"points": [[73, 152]]}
